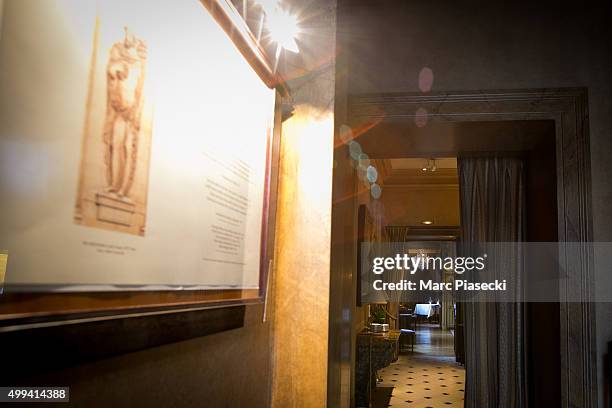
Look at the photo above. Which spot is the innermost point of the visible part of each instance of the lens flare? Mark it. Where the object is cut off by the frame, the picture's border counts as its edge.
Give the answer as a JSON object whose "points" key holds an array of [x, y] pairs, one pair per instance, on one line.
{"points": [[283, 28]]}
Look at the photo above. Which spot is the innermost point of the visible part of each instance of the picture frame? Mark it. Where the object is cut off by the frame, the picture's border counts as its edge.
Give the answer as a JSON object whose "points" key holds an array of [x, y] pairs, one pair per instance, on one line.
{"points": [[30, 310]]}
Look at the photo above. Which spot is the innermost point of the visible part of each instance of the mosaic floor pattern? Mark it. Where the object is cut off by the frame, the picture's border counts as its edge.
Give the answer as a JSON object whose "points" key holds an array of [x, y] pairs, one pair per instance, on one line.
{"points": [[428, 377]]}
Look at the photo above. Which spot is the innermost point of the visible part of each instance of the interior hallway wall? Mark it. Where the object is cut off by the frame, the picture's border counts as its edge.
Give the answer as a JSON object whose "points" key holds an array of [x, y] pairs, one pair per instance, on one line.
{"points": [[481, 45], [302, 260], [229, 369], [302, 269]]}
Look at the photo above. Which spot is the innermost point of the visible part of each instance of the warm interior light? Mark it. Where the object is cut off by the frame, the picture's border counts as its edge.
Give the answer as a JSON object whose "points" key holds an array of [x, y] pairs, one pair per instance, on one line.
{"points": [[430, 166], [283, 28], [427, 222]]}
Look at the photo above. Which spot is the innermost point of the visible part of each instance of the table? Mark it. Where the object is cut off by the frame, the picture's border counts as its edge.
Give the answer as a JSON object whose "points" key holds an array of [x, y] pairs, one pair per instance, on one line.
{"points": [[374, 351], [425, 309]]}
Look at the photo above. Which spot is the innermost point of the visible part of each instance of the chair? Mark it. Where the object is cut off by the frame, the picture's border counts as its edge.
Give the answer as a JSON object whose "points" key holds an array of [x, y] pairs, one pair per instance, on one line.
{"points": [[405, 336], [407, 321]]}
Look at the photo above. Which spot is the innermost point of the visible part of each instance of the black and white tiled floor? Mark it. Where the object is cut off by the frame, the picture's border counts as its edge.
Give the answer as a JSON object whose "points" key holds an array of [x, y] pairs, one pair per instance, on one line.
{"points": [[428, 377]]}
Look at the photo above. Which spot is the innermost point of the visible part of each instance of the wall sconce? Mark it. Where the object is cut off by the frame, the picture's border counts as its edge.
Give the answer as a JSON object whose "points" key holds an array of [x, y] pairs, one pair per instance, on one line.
{"points": [[430, 166]]}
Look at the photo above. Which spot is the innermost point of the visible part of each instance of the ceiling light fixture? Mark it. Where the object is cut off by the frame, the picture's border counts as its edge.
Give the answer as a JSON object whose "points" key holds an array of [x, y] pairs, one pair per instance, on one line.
{"points": [[431, 165], [427, 222]]}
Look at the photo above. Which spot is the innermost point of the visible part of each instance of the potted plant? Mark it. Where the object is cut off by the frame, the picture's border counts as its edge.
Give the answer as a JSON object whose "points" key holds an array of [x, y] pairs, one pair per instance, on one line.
{"points": [[378, 314]]}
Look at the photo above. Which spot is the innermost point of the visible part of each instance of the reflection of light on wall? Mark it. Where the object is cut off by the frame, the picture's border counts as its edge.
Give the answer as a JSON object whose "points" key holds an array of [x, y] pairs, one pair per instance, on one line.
{"points": [[366, 171], [310, 132], [315, 147], [302, 255]]}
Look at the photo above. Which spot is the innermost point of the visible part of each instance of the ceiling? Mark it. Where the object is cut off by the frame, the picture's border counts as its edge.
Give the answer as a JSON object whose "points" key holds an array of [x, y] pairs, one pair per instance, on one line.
{"points": [[412, 195], [419, 163], [395, 140], [408, 172], [401, 150]]}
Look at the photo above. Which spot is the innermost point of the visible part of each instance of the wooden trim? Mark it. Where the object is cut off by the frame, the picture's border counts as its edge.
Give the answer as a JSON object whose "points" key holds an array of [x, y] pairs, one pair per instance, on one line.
{"points": [[26, 308], [568, 108], [224, 12], [362, 214], [422, 187], [36, 350], [426, 233]]}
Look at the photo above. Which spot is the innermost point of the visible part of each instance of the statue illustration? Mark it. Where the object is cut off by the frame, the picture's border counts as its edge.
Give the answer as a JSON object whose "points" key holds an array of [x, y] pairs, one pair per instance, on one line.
{"points": [[125, 73]]}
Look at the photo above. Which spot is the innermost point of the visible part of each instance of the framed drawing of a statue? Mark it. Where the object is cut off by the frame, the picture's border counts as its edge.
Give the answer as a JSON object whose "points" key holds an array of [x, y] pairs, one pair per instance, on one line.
{"points": [[138, 163], [113, 179]]}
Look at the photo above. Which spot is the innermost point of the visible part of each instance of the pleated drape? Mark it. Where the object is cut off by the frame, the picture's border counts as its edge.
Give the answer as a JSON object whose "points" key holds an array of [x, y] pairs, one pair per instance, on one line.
{"points": [[396, 238], [492, 200]]}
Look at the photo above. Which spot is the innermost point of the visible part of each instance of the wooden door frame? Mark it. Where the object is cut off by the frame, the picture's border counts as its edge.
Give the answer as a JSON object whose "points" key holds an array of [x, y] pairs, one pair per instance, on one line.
{"points": [[568, 108]]}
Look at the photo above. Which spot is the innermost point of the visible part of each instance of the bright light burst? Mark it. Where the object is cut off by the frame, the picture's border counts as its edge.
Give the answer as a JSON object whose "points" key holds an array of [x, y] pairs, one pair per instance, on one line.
{"points": [[283, 28]]}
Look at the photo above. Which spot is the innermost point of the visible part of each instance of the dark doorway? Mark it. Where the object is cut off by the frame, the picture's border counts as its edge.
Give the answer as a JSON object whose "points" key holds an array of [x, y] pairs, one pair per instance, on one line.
{"points": [[548, 129]]}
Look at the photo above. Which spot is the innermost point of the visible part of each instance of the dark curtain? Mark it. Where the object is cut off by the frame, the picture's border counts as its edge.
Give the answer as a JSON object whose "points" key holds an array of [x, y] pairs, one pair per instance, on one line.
{"points": [[492, 200]]}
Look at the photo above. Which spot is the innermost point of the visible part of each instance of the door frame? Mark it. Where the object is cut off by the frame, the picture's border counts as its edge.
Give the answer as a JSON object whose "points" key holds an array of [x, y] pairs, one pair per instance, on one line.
{"points": [[568, 108]]}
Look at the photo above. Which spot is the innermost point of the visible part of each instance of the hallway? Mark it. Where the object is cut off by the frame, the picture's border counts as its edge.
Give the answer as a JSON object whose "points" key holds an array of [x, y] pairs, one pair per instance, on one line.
{"points": [[428, 377]]}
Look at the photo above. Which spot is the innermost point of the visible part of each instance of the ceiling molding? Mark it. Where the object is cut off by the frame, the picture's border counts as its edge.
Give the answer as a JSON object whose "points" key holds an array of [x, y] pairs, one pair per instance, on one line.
{"points": [[415, 177], [423, 187]]}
